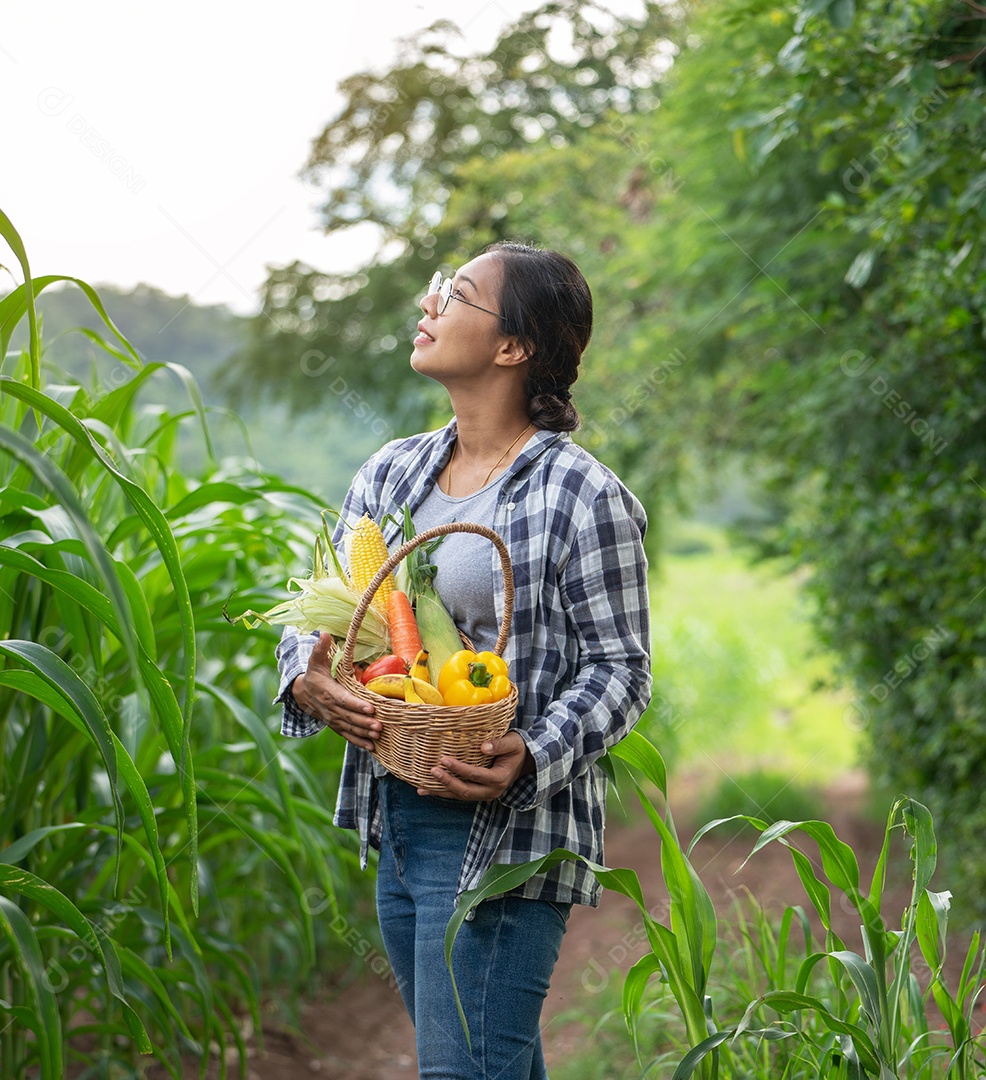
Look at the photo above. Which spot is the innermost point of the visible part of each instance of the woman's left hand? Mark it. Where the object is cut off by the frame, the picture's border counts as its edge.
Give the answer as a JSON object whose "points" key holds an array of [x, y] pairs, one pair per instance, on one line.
{"points": [[473, 783]]}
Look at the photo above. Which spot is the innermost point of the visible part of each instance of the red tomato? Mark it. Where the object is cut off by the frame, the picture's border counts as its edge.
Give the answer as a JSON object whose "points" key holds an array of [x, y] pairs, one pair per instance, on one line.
{"points": [[386, 665]]}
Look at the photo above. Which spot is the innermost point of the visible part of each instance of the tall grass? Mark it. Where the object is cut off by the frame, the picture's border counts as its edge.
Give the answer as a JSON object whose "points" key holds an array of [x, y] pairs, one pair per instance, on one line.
{"points": [[794, 1005], [162, 859]]}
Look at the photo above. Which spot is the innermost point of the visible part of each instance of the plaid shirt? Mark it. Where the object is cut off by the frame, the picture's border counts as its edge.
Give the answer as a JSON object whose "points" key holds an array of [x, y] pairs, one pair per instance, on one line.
{"points": [[578, 649]]}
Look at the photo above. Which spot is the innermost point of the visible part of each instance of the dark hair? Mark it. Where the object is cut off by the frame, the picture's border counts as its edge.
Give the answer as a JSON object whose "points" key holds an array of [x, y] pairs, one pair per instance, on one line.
{"points": [[545, 301]]}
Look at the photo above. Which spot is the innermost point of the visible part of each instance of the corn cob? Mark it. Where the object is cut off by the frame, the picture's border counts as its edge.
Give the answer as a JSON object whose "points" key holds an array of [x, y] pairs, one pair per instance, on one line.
{"points": [[438, 633], [367, 553]]}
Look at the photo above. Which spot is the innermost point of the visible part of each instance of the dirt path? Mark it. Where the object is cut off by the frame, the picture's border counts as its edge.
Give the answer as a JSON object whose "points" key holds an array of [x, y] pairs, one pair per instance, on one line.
{"points": [[364, 1033]]}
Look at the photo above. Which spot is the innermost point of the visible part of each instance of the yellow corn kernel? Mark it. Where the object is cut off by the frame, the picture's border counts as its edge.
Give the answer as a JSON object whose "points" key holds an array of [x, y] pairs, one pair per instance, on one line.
{"points": [[367, 553]]}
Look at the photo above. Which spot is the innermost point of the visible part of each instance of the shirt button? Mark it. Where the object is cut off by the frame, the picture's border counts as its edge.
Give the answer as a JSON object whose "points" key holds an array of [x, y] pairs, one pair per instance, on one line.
{"points": [[511, 506]]}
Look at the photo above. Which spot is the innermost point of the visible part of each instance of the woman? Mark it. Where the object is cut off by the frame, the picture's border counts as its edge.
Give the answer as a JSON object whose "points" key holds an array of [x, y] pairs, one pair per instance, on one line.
{"points": [[504, 337]]}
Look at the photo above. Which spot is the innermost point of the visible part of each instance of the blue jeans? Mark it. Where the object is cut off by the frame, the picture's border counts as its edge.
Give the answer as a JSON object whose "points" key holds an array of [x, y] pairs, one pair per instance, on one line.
{"points": [[503, 958]]}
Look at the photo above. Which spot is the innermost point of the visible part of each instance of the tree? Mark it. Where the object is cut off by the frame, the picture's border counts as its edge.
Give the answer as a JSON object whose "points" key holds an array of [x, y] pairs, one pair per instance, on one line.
{"points": [[788, 265], [397, 154], [837, 327]]}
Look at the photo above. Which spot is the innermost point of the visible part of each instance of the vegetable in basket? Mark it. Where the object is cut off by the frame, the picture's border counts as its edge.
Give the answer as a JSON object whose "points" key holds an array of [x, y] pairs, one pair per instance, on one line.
{"points": [[367, 551], [439, 635], [470, 678], [403, 627], [326, 601]]}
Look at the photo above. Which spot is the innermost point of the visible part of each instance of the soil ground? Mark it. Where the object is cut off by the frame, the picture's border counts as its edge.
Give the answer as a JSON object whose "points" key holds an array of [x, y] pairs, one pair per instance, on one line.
{"points": [[362, 1031]]}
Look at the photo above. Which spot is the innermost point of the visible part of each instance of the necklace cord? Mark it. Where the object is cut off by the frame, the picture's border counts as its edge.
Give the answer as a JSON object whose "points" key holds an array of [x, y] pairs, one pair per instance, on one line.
{"points": [[448, 480]]}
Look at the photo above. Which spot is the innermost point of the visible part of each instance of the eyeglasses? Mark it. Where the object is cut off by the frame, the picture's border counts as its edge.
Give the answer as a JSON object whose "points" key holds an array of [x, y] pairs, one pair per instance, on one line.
{"points": [[443, 286]]}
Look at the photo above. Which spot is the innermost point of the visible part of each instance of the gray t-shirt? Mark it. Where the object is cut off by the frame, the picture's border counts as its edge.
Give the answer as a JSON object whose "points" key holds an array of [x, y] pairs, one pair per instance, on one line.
{"points": [[464, 562]]}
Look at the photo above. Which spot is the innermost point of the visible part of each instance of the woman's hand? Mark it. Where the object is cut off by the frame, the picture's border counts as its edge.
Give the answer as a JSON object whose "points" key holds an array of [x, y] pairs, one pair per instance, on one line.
{"points": [[473, 783], [327, 699]]}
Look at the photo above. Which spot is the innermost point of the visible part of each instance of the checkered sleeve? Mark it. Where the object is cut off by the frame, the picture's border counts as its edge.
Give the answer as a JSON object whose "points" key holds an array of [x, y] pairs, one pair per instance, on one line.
{"points": [[292, 652], [604, 590], [294, 648]]}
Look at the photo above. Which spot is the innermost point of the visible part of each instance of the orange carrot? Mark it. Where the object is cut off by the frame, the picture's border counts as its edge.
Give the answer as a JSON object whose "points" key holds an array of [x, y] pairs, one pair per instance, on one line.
{"points": [[405, 640]]}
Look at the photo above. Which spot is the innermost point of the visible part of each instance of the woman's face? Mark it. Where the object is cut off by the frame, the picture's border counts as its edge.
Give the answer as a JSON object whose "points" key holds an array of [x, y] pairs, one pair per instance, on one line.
{"points": [[461, 344]]}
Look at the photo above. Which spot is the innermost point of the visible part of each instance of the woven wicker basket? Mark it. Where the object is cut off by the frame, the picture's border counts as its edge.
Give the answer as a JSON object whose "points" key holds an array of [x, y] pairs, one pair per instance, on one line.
{"points": [[415, 737]]}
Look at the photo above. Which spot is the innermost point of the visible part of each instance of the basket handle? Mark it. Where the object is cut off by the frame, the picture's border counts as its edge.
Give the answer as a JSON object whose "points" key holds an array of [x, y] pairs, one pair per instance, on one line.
{"points": [[401, 554]]}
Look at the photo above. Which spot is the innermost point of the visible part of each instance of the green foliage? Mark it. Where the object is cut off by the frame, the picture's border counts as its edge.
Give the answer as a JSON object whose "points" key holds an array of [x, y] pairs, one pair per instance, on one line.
{"points": [[150, 826], [799, 1007], [202, 340], [877, 438], [740, 682], [406, 147], [787, 264]]}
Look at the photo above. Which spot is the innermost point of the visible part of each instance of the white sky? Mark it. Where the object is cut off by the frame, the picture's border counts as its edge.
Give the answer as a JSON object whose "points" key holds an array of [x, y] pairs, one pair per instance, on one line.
{"points": [[162, 143]]}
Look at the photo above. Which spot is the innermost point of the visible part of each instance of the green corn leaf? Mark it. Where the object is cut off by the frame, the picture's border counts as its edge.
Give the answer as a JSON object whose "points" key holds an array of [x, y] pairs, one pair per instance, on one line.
{"points": [[35, 888], [919, 824], [43, 1005], [23, 846], [698, 1052], [145, 808], [818, 892], [693, 918], [838, 859], [971, 979], [790, 913], [21, 300], [634, 986], [158, 526], [930, 928], [270, 752], [17, 304], [136, 966], [55, 683], [784, 1001], [637, 751], [55, 481], [51, 680], [865, 980], [278, 852]]}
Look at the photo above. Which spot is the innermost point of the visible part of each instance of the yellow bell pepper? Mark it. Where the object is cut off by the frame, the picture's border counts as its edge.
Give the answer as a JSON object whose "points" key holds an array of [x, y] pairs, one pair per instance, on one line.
{"points": [[500, 687], [463, 692], [469, 678], [495, 665]]}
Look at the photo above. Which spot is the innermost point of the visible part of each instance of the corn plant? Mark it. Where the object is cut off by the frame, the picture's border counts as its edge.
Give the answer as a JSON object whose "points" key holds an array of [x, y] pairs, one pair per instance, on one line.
{"points": [[836, 1013], [873, 1011], [163, 860]]}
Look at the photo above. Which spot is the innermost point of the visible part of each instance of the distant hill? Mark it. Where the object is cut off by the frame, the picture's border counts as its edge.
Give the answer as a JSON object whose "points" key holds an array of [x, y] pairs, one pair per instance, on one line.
{"points": [[161, 327], [319, 450]]}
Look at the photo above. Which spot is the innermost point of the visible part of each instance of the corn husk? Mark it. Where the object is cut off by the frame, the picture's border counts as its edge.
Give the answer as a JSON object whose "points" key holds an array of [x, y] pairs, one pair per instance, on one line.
{"points": [[326, 602]]}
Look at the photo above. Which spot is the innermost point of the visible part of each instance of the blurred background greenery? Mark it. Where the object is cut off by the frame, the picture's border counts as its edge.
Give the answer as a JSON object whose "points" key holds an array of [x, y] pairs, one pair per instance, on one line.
{"points": [[779, 207]]}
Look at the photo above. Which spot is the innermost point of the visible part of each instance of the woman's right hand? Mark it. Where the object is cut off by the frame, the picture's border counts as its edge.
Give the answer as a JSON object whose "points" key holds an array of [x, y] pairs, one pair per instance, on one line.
{"points": [[324, 697]]}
